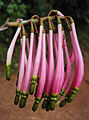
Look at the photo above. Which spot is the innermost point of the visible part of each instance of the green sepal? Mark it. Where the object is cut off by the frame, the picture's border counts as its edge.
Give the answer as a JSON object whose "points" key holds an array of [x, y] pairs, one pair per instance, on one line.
{"points": [[58, 97], [8, 72], [61, 94], [37, 101], [48, 108], [54, 97], [50, 26], [32, 85], [31, 90], [72, 96], [58, 20], [23, 100], [35, 106], [48, 104], [44, 104], [16, 100], [71, 20], [52, 105], [63, 103], [53, 101], [22, 103]]}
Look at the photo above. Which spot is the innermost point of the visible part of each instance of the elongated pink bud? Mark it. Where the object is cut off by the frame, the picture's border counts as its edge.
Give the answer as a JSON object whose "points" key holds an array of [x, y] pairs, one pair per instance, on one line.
{"points": [[37, 61], [38, 54], [50, 63], [81, 63], [42, 79], [28, 72], [76, 63], [10, 53], [21, 70], [25, 61], [58, 64], [68, 68], [72, 54], [57, 78], [79, 68], [62, 69]]}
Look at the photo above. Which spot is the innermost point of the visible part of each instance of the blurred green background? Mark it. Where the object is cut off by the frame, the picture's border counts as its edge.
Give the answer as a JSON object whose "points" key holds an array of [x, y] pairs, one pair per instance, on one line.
{"points": [[13, 9]]}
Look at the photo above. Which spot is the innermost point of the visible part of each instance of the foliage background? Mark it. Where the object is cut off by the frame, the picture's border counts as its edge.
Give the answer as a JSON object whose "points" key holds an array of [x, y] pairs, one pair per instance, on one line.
{"points": [[78, 9]]}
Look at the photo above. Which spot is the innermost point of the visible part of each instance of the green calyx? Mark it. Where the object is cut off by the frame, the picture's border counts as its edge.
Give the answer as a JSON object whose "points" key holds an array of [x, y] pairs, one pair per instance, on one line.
{"points": [[37, 100], [54, 97], [41, 22], [32, 85], [44, 104], [31, 90], [8, 72], [61, 94], [52, 105], [23, 100], [16, 100], [32, 29], [35, 106], [50, 26], [71, 20], [72, 96], [22, 103], [48, 106], [58, 20], [53, 101], [63, 103]]}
